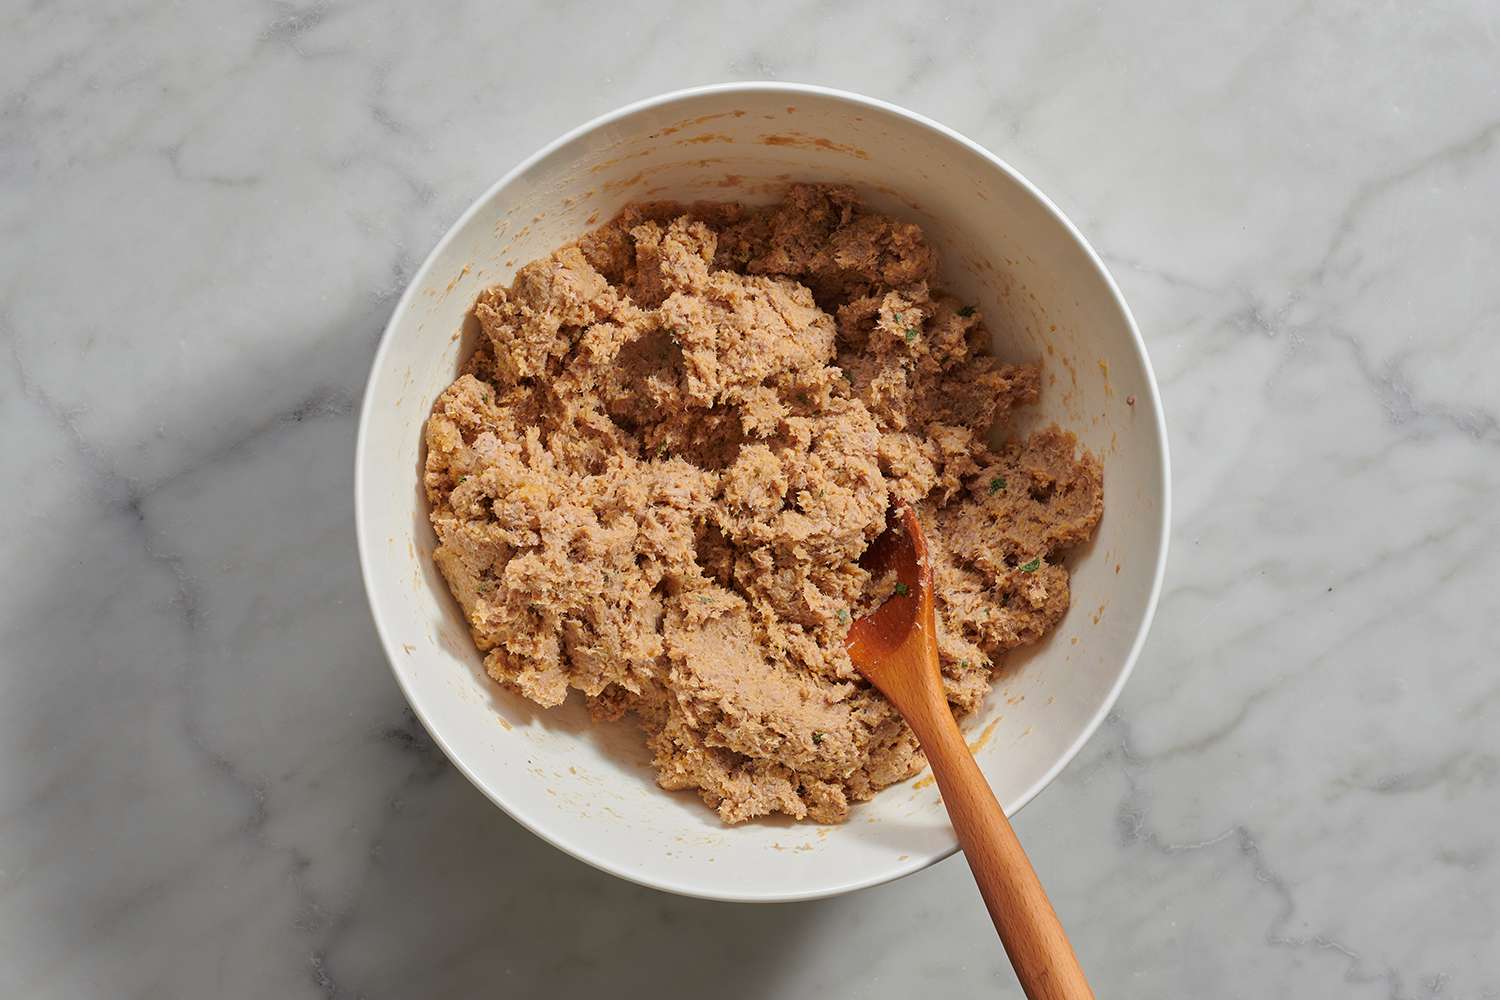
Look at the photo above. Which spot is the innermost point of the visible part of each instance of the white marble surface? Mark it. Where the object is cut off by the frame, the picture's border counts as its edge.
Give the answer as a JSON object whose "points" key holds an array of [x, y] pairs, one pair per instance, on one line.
{"points": [[209, 785]]}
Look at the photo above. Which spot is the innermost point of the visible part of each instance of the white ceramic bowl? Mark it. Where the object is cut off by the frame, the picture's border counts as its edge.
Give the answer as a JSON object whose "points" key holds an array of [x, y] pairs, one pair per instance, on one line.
{"points": [[589, 789]]}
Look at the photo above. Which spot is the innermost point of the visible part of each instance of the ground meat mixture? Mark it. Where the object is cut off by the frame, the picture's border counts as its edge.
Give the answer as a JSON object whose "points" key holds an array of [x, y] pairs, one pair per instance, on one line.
{"points": [[653, 481]]}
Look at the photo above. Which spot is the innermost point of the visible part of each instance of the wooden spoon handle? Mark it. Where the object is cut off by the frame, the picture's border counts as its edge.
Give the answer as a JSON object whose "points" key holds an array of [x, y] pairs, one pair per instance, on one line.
{"points": [[1028, 926]]}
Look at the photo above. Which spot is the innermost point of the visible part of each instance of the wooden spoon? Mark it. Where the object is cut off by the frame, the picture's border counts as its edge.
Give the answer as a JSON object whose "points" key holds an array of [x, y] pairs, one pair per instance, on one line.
{"points": [[895, 647]]}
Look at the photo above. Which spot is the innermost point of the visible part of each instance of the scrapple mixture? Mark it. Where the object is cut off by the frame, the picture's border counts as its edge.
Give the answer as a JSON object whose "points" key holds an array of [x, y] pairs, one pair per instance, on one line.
{"points": [[653, 481]]}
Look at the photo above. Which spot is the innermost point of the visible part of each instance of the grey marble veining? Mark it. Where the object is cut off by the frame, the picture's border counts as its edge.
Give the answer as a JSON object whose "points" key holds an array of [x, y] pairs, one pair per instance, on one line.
{"points": [[209, 784]]}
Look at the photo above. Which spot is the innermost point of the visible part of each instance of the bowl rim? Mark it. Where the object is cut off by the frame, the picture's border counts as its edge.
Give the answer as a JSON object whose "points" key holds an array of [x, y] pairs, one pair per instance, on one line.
{"points": [[559, 839]]}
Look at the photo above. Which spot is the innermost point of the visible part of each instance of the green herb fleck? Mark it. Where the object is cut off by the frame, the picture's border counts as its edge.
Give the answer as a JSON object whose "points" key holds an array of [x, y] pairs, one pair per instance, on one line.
{"points": [[963, 664], [911, 335], [1033, 566], [461, 480], [817, 738], [843, 616], [966, 311], [902, 590], [996, 485]]}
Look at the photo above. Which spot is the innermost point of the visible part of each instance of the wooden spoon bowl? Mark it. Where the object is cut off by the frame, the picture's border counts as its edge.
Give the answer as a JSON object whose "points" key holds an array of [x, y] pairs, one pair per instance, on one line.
{"points": [[895, 647]]}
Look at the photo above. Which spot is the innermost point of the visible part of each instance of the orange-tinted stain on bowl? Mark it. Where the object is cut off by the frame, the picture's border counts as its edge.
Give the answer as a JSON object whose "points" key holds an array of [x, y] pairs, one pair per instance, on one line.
{"points": [[705, 137], [628, 182], [690, 122], [642, 175], [606, 164], [984, 737], [453, 282], [801, 141]]}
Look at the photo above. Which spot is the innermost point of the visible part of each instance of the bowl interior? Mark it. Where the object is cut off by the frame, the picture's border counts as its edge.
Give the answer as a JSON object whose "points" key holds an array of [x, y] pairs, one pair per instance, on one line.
{"points": [[589, 788]]}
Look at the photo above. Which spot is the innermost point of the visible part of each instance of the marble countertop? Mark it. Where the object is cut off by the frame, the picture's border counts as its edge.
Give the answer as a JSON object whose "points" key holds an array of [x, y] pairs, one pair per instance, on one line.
{"points": [[209, 783]]}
